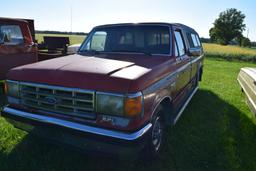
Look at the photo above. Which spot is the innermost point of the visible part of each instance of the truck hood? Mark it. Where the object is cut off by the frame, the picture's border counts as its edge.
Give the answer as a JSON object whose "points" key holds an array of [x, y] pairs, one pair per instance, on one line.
{"points": [[102, 72]]}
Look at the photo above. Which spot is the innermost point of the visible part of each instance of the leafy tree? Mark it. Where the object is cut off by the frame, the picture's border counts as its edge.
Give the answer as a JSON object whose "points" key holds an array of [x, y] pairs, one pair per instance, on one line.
{"points": [[239, 39], [243, 41], [246, 42], [228, 26]]}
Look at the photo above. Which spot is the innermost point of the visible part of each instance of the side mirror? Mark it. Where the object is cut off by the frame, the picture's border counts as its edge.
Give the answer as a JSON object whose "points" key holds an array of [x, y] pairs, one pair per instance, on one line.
{"points": [[194, 51], [32, 44]]}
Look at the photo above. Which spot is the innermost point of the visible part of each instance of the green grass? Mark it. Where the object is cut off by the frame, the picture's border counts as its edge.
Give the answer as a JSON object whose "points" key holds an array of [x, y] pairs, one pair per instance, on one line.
{"points": [[230, 52], [74, 39], [216, 132]]}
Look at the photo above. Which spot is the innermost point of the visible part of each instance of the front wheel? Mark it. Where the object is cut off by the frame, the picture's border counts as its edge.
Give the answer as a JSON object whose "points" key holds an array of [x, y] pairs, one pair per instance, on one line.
{"points": [[157, 134], [156, 137]]}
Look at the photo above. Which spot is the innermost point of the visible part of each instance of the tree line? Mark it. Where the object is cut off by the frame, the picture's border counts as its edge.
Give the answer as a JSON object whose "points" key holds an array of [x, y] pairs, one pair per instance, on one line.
{"points": [[61, 32]]}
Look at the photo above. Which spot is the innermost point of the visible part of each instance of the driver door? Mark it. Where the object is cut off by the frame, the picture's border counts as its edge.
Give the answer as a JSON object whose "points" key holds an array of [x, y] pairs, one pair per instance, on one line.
{"points": [[183, 68]]}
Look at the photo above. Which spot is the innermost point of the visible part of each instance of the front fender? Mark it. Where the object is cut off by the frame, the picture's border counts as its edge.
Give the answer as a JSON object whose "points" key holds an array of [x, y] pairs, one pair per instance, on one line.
{"points": [[157, 93]]}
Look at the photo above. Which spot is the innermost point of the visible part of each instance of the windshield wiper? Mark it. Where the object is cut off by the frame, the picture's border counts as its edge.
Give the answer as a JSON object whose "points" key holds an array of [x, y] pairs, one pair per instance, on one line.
{"points": [[94, 52], [90, 51], [134, 51]]}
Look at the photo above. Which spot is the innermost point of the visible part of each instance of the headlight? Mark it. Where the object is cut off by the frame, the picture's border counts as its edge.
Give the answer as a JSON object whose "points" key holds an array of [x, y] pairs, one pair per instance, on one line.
{"points": [[122, 105], [12, 88], [110, 104]]}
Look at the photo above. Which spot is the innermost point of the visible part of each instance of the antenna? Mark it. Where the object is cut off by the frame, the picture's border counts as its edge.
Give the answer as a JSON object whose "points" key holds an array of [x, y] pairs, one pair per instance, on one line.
{"points": [[71, 17]]}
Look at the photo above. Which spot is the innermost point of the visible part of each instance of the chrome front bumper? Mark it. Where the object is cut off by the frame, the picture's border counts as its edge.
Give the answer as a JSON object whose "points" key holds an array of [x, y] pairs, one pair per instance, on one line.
{"points": [[77, 126]]}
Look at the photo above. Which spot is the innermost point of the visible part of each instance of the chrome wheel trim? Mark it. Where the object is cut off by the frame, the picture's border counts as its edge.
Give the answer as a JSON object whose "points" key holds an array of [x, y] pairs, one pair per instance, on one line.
{"points": [[157, 133]]}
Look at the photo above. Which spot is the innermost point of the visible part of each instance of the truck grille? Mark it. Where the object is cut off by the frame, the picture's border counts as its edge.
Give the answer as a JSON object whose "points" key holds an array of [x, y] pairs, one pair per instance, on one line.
{"points": [[66, 101]]}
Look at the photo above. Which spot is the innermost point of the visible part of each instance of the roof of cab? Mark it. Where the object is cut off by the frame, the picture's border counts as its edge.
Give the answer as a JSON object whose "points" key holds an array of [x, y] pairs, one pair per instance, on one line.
{"points": [[12, 20], [187, 28]]}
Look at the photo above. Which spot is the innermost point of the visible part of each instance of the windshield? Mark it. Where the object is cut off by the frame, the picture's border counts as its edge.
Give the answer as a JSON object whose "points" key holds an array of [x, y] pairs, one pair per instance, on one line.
{"points": [[140, 39]]}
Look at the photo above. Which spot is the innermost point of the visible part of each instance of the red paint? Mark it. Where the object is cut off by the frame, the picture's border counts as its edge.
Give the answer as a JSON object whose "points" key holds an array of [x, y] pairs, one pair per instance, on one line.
{"points": [[117, 73], [95, 73], [16, 55]]}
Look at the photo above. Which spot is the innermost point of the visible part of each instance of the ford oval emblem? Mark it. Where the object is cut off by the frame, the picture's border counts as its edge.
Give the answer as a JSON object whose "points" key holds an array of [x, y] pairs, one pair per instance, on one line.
{"points": [[50, 100]]}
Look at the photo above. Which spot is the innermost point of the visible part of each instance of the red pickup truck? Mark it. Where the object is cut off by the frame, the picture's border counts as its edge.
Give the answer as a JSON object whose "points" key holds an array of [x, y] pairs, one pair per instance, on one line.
{"points": [[127, 83], [16, 45]]}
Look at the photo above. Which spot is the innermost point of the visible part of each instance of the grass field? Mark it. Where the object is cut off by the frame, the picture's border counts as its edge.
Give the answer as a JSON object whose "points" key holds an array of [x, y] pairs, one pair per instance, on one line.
{"points": [[230, 52], [74, 39], [216, 132]]}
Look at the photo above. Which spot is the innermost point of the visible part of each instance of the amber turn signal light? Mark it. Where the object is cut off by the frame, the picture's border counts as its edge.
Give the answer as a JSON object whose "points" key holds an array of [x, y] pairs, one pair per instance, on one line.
{"points": [[133, 106]]}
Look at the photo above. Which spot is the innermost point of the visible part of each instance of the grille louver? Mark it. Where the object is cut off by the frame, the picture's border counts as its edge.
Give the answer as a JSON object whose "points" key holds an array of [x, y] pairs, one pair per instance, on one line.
{"points": [[61, 100]]}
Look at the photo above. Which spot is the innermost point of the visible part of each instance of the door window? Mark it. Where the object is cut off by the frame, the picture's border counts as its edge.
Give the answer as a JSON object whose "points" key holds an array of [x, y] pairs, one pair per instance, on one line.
{"points": [[176, 49], [11, 35], [179, 43]]}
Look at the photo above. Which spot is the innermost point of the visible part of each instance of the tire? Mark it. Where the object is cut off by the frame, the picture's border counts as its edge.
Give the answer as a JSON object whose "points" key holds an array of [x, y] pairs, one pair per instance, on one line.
{"points": [[157, 135]]}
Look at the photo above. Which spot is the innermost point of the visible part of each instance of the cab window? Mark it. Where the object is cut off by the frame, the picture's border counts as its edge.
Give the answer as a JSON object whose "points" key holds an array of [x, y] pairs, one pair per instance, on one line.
{"points": [[11, 35], [193, 40], [198, 41]]}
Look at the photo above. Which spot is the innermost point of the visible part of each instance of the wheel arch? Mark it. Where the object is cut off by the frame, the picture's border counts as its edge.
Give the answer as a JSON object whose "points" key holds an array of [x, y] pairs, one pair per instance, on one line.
{"points": [[165, 105]]}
